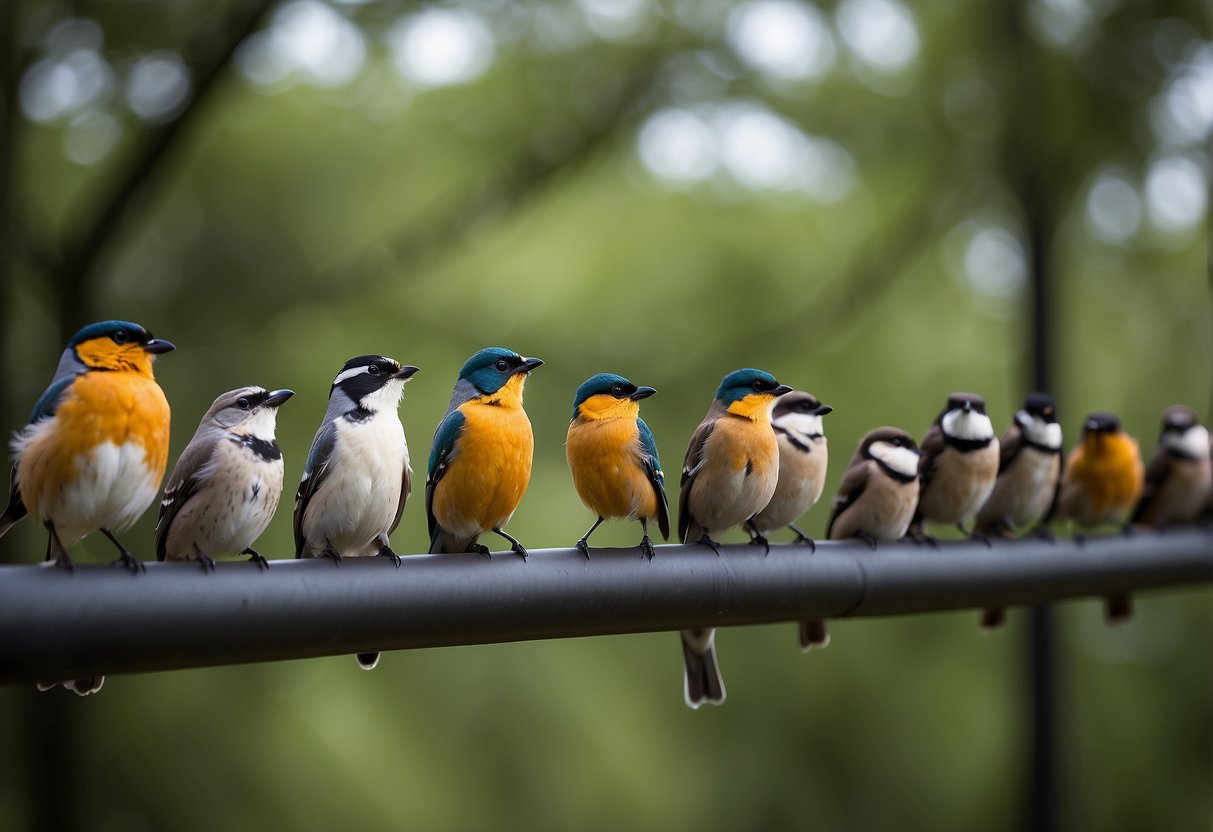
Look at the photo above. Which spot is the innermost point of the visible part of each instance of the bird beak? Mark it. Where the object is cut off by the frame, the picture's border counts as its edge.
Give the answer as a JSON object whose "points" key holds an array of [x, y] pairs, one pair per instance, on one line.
{"points": [[157, 346], [406, 372], [967, 407], [781, 390], [277, 397], [642, 393], [528, 365], [823, 409]]}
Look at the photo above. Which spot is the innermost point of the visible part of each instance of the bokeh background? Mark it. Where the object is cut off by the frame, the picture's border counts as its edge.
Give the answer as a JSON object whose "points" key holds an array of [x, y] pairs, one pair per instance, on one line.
{"points": [[854, 195]]}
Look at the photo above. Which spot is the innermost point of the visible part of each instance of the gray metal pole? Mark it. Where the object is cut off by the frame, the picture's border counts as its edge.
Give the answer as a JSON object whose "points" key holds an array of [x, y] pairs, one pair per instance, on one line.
{"points": [[101, 619]]}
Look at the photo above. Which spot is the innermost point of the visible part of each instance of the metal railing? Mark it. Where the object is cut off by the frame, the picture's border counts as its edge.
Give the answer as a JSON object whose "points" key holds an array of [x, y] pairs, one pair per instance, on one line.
{"points": [[100, 619]]}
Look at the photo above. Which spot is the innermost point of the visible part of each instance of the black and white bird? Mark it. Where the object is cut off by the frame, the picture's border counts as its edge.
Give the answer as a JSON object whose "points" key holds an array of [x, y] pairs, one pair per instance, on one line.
{"points": [[1180, 475], [958, 466], [875, 502], [1029, 470], [357, 477], [803, 458], [226, 484]]}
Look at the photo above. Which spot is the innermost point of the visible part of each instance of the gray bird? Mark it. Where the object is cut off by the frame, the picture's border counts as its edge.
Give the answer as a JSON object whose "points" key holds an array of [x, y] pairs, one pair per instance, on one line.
{"points": [[1179, 477], [1029, 470], [958, 466], [803, 458], [226, 484], [875, 501], [357, 475]]}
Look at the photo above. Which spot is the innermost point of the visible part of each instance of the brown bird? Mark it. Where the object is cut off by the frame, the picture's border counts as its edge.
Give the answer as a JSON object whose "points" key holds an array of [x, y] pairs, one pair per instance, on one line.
{"points": [[959, 464], [1180, 475]]}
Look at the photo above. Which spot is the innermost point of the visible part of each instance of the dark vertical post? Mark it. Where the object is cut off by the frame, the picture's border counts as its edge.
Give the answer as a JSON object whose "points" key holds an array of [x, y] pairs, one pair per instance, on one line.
{"points": [[1024, 165]]}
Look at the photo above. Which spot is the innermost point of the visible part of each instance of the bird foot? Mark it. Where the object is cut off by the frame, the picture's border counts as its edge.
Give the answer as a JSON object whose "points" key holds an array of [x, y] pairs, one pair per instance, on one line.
{"points": [[208, 562], [706, 540], [868, 539], [757, 539], [646, 547], [584, 547], [920, 538], [480, 549], [801, 537], [332, 554], [978, 537], [386, 552], [1044, 533], [130, 562], [257, 558]]}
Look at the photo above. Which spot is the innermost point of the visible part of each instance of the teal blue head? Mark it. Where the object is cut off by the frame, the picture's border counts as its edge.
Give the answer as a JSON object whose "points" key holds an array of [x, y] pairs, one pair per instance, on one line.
{"points": [[117, 345], [493, 368], [749, 392], [611, 388]]}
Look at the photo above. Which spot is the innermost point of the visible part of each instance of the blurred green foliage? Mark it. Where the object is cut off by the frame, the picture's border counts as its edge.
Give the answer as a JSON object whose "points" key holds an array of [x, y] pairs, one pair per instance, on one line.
{"points": [[296, 221]]}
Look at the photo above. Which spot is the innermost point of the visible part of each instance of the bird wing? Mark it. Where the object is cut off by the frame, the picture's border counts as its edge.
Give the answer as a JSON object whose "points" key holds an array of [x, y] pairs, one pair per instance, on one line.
{"points": [[652, 468], [1156, 474], [50, 399], [1009, 447], [933, 444], [445, 437], [314, 473], [16, 506], [406, 488], [853, 484], [183, 483], [690, 469]]}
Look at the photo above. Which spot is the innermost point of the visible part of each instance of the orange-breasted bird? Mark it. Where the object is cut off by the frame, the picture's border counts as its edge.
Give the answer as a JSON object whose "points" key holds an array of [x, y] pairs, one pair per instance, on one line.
{"points": [[1180, 475], [480, 462], [96, 446], [1101, 483], [95, 449], [613, 457], [729, 475]]}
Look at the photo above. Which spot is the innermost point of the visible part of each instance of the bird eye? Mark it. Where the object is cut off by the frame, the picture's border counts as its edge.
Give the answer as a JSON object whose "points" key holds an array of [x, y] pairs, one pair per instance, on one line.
{"points": [[242, 403], [121, 336], [757, 385], [617, 391], [502, 365], [898, 441], [373, 369]]}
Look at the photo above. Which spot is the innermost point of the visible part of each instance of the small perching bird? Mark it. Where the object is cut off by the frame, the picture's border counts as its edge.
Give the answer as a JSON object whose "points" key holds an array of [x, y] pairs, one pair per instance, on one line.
{"points": [[875, 502], [1180, 476], [613, 457], [1029, 470], [1101, 482], [729, 475], [95, 449], [96, 446], [480, 462], [225, 487], [958, 466], [803, 459]]}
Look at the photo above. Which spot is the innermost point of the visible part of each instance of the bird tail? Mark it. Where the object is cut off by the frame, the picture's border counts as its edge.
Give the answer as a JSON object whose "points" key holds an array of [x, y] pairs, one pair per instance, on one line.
{"points": [[703, 682], [813, 633], [16, 506], [443, 542], [367, 661]]}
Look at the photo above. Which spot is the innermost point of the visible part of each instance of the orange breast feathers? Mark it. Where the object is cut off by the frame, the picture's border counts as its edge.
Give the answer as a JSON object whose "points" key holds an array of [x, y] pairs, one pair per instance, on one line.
{"points": [[99, 407], [605, 457], [1109, 471], [492, 466], [751, 440]]}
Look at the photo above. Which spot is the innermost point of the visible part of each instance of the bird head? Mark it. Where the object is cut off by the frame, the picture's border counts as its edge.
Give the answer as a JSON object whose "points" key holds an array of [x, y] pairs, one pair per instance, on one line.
{"points": [[607, 395], [893, 448], [498, 373], [251, 411], [1182, 432], [372, 382], [116, 345], [749, 392], [964, 417], [1037, 420], [800, 412]]}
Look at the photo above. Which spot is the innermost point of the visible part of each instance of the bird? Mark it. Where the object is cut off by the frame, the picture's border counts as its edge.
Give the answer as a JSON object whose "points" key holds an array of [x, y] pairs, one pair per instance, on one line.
{"points": [[480, 461], [94, 451], [875, 501], [225, 487], [613, 457], [357, 476], [1179, 476], [958, 466], [803, 458], [729, 475], [1029, 469], [1029, 466], [1101, 482]]}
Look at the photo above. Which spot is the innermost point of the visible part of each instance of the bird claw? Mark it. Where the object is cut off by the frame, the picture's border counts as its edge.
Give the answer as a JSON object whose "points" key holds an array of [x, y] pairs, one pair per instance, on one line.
{"points": [[386, 552], [801, 537], [978, 537], [868, 539], [130, 562], [332, 554], [481, 549], [257, 558], [759, 539], [584, 548], [646, 547], [705, 540], [518, 548], [208, 562]]}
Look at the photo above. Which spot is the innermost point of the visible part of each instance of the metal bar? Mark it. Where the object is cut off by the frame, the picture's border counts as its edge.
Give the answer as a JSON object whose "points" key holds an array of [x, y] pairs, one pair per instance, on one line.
{"points": [[102, 619]]}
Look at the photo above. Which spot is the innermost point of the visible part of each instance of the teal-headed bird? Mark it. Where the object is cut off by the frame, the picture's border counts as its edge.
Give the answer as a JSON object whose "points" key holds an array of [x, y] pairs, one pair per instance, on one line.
{"points": [[613, 457], [729, 475], [480, 463]]}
